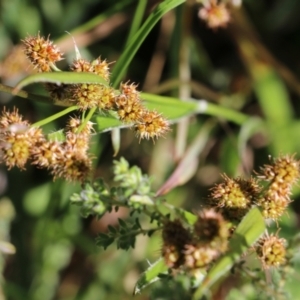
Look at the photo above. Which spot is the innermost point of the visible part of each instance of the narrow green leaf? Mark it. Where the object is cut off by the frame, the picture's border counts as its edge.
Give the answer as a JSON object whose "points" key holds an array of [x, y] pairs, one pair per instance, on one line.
{"points": [[246, 234], [171, 108], [135, 43], [151, 275], [60, 78]]}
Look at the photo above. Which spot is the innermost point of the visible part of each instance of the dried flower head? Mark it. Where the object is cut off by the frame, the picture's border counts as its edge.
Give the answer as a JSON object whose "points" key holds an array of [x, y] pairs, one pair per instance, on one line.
{"points": [[175, 237], [73, 166], [271, 251], [87, 96], [46, 153], [235, 193], [9, 118], [17, 145], [128, 104], [78, 140], [282, 174], [199, 256], [273, 208], [152, 125], [97, 66], [42, 53], [214, 14], [17, 139], [211, 230]]}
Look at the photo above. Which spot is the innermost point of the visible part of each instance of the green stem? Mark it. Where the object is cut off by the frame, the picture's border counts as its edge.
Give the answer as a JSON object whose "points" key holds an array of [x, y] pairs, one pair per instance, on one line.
{"points": [[88, 118], [54, 117]]}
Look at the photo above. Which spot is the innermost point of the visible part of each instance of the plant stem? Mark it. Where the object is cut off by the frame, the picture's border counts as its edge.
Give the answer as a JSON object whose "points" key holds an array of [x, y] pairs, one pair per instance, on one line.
{"points": [[54, 117]]}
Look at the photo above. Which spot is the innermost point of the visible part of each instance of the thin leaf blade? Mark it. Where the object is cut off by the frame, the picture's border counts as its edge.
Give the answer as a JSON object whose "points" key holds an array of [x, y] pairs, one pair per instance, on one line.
{"points": [[61, 78]]}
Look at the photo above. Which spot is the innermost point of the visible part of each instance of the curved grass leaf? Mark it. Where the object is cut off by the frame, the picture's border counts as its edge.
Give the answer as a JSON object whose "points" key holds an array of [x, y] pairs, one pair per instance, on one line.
{"points": [[150, 275], [61, 78], [246, 234], [135, 43]]}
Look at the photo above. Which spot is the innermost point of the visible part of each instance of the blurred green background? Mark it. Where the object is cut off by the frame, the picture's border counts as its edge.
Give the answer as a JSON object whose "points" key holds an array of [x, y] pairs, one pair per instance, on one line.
{"points": [[251, 66]]}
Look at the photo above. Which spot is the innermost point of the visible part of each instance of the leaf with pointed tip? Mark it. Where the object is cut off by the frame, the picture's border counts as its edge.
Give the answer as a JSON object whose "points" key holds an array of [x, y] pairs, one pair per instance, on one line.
{"points": [[151, 275]]}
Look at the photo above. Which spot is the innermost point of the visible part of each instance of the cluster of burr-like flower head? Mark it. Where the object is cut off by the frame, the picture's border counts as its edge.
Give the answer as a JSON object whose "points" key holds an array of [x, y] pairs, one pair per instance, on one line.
{"points": [[126, 102], [66, 158], [69, 159], [197, 246]]}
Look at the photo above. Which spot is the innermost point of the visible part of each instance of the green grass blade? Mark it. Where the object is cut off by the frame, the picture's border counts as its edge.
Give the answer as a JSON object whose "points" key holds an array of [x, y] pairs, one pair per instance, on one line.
{"points": [[137, 19], [246, 234], [127, 56], [61, 78]]}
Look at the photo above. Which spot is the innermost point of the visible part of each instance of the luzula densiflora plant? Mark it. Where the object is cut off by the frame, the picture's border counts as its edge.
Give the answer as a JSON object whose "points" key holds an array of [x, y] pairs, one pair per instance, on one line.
{"points": [[187, 247]]}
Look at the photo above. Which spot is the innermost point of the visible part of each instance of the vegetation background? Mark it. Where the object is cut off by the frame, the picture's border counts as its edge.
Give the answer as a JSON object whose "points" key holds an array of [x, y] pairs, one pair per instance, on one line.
{"points": [[251, 66]]}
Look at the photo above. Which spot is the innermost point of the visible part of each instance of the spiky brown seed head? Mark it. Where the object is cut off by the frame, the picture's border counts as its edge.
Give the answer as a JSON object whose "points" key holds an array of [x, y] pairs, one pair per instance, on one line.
{"points": [[175, 236], [106, 100], [199, 256], [129, 110], [17, 145], [282, 174], [41, 52], [74, 124], [81, 65], [235, 193], [212, 230], [8, 118], [151, 126], [273, 208], [85, 95], [72, 166], [47, 154], [101, 68], [128, 104], [271, 251], [97, 66], [215, 14], [17, 139]]}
